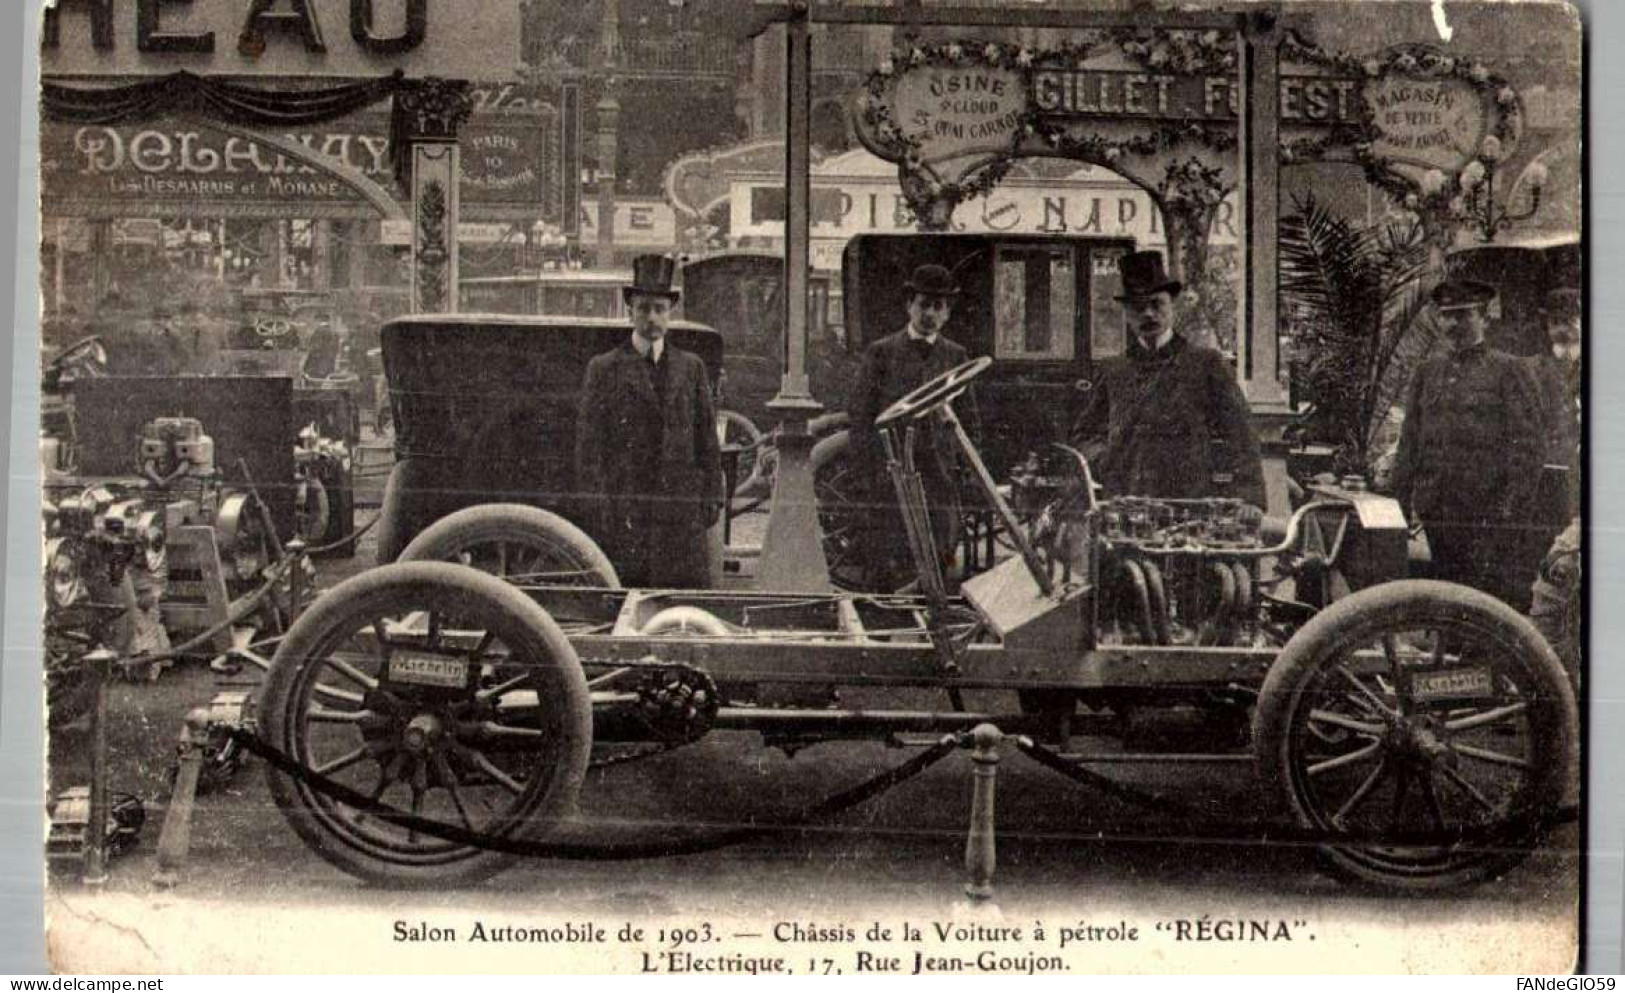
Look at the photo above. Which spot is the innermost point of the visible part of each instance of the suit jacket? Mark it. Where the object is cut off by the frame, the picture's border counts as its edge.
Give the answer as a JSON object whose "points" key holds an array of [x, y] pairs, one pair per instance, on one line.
{"points": [[640, 457], [1170, 423], [891, 368], [1472, 446]]}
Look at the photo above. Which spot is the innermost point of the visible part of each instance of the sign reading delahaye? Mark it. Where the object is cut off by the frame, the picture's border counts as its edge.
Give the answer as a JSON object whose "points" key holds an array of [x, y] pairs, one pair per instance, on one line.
{"points": [[172, 169], [354, 38]]}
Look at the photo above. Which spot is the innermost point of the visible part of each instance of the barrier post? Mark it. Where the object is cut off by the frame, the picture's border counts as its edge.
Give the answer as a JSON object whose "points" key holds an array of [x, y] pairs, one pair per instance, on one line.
{"points": [[101, 662], [295, 549], [980, 844], [175, 840]]}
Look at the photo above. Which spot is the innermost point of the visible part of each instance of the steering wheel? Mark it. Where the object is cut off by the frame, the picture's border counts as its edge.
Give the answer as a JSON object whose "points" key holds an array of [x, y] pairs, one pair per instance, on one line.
{"points": [[930, 395]]}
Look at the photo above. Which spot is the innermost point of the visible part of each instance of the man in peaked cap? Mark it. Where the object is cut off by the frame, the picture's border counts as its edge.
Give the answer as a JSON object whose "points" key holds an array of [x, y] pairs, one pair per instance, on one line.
{"points": [[647, 459], [1167, 419], [891, 368], [1471, 449]]}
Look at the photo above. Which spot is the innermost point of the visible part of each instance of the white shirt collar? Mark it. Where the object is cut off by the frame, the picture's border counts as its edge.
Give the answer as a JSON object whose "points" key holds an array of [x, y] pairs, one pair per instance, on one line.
{"points": [[929, 339], [659, 346], [1161, 342]]}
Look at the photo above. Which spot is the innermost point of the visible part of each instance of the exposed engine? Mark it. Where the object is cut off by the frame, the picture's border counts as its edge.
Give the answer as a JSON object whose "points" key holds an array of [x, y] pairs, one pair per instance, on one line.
{"points": [[1175, 572]]}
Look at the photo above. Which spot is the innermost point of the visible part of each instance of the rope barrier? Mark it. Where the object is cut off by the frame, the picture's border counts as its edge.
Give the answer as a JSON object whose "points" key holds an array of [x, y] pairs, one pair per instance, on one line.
{"points": [[349, 539], [245, 608], [801, 819], [1193, 827]]}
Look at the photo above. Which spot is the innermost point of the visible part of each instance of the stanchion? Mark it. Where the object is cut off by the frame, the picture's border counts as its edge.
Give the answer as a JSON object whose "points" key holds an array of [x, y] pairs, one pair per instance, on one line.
{"points": [[980, 845], [175, 840], [296, 549], [101, 662]]}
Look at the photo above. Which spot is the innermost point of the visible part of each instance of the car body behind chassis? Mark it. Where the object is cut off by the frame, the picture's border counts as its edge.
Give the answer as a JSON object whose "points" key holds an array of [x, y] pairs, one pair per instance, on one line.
{"points": [[1399, 707]]}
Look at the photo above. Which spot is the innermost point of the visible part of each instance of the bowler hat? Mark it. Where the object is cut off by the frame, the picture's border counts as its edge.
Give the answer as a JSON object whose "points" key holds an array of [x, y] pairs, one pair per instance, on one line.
{"points": [[932, 281], [1459, 294], [651, 275], [1143, 275]]}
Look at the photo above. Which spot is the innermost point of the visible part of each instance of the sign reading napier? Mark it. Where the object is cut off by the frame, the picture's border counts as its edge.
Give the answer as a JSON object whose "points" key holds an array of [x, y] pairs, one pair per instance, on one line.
{"points": [[466, 39]]}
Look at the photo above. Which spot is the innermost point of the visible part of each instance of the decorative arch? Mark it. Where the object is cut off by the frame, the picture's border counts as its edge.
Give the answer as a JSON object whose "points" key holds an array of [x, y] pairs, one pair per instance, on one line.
{"points": [[1019, 105]]}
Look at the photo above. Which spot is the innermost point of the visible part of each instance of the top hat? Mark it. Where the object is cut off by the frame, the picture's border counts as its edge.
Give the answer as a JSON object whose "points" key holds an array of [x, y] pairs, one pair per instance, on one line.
{"points": [[932, 281], [1562, 304], [651, 275], [1143, 275], [1460, 294]]}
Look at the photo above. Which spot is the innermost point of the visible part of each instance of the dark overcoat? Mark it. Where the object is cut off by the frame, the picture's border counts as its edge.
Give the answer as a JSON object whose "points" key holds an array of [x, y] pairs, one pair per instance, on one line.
{"points": [[1170, 423], [891, 368], [1558, 383], [648, 465], [1468, 466]]}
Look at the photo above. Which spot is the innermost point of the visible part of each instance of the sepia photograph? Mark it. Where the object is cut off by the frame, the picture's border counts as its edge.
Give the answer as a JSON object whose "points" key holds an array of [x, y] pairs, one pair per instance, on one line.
{"points": [[834, 487]]}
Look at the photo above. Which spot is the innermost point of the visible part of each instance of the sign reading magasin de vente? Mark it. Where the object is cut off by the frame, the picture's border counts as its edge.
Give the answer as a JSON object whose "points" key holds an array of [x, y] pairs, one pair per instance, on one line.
{"points": [[456, 39]]}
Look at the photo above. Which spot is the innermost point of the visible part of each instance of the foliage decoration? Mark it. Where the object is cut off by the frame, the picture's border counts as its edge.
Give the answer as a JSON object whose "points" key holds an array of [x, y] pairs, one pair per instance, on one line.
{"points": [[1353, 298], [1438, 199]]}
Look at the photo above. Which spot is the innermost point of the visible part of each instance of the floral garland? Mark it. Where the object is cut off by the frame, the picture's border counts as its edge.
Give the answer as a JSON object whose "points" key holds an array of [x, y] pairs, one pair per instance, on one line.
{"points": [[1192, 185], [1178, 51], [1437, 196]]}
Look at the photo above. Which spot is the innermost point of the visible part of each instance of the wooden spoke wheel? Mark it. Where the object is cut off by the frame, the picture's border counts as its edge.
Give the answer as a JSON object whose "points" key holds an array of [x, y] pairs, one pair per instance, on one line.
{"points": [[843, 513], [438, 690], [521, 544], [1426, 712]]}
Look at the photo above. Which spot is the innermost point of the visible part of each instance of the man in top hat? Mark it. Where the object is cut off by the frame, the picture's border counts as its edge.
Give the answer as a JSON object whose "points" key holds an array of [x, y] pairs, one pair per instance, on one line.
{"points": [[1471, 449], [893, 367], [648, 465], [1167, 419]]}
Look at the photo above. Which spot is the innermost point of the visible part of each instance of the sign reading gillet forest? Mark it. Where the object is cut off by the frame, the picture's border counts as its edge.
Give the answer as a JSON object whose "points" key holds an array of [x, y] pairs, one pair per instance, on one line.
{"points": [[1144, 101]]}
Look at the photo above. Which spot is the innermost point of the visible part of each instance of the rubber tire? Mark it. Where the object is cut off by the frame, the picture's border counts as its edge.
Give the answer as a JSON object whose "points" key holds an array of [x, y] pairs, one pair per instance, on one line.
{"points": [[742, 487], [1554, 727], [377, 589], [393, 527], [518, 523]]}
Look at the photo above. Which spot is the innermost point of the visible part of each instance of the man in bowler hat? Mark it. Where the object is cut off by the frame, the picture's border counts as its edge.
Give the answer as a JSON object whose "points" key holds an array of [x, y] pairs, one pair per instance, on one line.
{"points": [[893, 367], [648, 465], [1471, 449], [1167, 419]]}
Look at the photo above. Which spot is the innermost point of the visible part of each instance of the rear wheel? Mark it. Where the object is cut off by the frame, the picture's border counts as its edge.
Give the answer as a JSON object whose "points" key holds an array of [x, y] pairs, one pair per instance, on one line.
{"points": [[751, 483], [843, 516], [1426, 712], [521, 544], [437, 690]]}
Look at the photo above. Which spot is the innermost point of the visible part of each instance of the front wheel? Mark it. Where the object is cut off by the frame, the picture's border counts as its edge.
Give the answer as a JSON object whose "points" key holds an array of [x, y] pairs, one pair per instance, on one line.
{"points": [[524, 545], [438, 690], [1425, 712]]}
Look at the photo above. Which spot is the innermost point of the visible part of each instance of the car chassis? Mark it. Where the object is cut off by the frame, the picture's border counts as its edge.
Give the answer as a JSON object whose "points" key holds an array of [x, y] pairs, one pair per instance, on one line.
{"points": [[1413, 710]]}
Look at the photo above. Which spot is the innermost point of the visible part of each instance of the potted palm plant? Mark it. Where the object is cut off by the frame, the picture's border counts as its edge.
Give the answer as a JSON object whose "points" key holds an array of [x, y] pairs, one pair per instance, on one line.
{"points": [[1355, 299]]}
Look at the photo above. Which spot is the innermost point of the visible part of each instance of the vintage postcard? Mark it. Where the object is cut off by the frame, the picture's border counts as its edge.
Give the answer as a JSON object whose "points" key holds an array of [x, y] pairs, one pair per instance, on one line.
{"points": [[807, 487]]}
